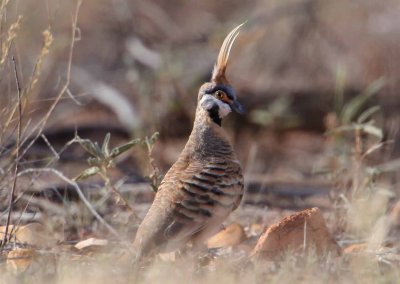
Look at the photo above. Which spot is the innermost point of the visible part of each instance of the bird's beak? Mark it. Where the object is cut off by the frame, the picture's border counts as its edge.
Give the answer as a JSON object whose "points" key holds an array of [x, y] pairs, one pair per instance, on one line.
{"points": [[236, 106]]}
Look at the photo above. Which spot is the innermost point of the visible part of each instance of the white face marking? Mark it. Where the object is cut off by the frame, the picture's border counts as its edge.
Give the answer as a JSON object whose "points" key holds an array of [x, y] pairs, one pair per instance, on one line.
{"points": [[208, 101], [224, 109]]}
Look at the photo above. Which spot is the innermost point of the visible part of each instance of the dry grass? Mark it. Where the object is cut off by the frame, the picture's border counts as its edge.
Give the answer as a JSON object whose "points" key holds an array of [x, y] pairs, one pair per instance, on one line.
{"points": [[354, 161]]}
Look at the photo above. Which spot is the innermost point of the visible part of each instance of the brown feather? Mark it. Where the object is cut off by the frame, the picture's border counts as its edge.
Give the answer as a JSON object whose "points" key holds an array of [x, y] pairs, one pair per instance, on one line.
{"points": [[218, 74]]}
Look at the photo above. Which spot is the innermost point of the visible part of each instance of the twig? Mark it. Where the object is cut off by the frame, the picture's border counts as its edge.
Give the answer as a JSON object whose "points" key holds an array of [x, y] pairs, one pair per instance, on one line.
{"points": [[73, 98], [305, 236], [16, 168], [81, 196], [111, 187], [56, 155]]}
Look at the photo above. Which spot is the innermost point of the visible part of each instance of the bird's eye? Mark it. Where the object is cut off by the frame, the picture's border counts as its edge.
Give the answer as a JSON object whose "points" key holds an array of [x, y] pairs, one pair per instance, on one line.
{"points": [[220, 95]]}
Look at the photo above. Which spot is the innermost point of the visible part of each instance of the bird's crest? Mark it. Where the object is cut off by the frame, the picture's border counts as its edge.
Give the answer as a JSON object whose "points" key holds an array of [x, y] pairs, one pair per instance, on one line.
{"points": [[218, 74]]}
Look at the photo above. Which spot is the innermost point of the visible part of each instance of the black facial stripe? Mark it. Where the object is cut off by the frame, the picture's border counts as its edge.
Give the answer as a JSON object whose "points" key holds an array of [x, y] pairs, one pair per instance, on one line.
{"points": [[214, 114], [228, 91]]}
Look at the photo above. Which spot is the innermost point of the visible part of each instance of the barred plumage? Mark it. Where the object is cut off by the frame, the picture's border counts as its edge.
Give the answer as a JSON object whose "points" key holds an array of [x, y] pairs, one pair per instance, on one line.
{"points": [[206, 184]]}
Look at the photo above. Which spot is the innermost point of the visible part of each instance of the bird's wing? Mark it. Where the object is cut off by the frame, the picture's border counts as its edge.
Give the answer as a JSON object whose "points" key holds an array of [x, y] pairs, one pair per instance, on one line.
{"points": [[204, 193], [189, 199]]}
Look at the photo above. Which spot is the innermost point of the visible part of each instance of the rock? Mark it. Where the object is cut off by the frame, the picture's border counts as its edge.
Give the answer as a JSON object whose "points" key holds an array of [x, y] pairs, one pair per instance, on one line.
{"points": [[297, 232], [232, 235]]}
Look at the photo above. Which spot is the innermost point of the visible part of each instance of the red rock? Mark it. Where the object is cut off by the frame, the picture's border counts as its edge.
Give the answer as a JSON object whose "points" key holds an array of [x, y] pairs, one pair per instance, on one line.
{"points": [[301, 231]]}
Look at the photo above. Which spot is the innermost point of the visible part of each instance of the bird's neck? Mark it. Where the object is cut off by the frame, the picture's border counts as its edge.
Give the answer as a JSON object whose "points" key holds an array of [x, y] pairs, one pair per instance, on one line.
{"points": [[205, 118], [208, 138]]}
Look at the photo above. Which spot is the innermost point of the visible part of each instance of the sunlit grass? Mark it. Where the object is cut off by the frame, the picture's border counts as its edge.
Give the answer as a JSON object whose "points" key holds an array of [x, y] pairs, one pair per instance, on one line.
{"points": [[361, 197]]}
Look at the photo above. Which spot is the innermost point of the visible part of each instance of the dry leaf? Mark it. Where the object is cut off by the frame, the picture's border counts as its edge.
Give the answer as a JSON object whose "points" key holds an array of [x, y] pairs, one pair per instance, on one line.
{"points": [[256, 229], [92, 242], [395, 214], [355, 248], [19, 260], [3, 230], [34, 234], [230, 236], [168, 257]]}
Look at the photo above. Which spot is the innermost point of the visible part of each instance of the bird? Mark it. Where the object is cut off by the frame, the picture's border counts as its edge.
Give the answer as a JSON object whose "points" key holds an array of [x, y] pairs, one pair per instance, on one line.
{"points": [[206, 183]]}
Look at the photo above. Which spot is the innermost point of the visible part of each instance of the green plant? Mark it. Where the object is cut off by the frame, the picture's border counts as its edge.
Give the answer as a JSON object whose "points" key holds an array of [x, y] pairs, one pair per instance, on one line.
{"points": [[102, 159]]}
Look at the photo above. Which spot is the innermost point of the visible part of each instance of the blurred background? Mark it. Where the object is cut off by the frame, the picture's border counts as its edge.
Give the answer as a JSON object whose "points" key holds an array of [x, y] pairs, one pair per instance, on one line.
{"points": [[319, 80]]}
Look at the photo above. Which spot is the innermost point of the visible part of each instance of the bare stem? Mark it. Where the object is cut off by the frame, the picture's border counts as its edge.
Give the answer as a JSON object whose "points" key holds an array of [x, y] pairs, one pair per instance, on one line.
{"points": [[357, 160], [16, 167], [111, 187]]}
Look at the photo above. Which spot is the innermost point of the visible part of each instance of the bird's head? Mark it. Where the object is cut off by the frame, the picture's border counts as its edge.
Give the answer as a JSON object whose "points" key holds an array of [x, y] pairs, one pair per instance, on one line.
{"points": [[218, 97]]}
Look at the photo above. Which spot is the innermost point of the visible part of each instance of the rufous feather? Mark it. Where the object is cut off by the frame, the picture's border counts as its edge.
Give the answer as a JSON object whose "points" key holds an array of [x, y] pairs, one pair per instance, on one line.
{"points": [[218, 74]]}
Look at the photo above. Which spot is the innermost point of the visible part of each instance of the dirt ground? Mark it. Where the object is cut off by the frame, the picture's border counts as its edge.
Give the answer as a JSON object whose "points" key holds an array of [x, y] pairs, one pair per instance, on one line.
{"points": [[319, 142]]}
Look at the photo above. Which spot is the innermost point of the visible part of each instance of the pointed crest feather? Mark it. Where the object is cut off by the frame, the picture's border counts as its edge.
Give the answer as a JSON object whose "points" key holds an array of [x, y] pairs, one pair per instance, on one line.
{"points": [[218, 74]]}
